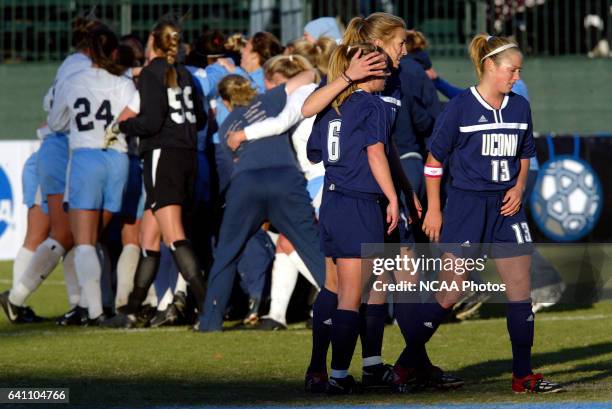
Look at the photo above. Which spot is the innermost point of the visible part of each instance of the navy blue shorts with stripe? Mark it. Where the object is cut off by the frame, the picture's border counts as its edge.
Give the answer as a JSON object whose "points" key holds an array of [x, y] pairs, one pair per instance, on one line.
{"points": [[473, 226], [349, 219]]}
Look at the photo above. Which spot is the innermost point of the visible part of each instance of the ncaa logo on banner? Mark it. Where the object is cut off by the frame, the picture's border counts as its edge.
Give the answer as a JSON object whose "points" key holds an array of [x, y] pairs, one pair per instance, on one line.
{"points": [[6, 202]]}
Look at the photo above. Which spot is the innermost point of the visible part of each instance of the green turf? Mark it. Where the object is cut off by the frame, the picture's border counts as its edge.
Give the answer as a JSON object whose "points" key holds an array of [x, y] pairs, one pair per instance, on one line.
{"points": [[173, 366]]}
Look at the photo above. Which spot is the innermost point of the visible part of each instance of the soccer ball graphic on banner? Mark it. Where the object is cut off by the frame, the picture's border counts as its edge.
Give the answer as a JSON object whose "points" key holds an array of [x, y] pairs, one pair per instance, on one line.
{"points": [[567, 199]]}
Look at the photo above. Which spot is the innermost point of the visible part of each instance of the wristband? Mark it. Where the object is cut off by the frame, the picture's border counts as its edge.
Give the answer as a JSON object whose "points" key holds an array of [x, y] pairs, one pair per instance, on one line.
{"points": [[346, 78], [433, 171]]}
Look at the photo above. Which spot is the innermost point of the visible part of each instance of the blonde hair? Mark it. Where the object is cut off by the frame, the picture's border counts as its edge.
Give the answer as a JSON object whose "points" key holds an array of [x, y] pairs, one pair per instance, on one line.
{"points": [[236, 90], [377, 26], [415, 40], [167, 38], [482, 45], [286, 65], [339, 62], [234, 43], [318, 53]]}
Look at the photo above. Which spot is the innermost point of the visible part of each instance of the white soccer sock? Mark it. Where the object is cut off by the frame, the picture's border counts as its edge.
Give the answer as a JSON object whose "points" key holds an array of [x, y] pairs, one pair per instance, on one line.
{"points": [[126, 269], [151, 297], [22, 259], [44, 260], [181, 284], [165, 301], [70, 277], [301, 266], [284, 278], [89, 272]]}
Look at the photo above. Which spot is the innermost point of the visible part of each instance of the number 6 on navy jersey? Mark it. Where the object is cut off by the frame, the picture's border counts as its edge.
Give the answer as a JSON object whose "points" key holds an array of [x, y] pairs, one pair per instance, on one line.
{"points": [[333, 140], [181, 105]]}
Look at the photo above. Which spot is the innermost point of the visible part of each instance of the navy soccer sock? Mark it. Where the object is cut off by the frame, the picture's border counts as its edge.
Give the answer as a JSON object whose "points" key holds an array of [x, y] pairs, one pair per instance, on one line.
{"points": [[418, 323], [344, 333], [520, 320], [371, 330], [322, 311]]}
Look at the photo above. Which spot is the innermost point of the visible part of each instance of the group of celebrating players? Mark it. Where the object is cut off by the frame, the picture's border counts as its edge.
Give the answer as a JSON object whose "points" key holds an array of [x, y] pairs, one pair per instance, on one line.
{"points": [[313, 149]]}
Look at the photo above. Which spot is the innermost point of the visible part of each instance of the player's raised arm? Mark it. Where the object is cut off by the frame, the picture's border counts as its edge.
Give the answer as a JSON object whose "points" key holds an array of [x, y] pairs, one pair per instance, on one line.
{"points": [[361, 67]]}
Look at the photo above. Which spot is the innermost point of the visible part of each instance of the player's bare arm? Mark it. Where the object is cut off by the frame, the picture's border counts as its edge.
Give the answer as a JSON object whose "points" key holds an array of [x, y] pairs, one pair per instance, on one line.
{"points": [[379, 165], [432, 223], [514, 197]]}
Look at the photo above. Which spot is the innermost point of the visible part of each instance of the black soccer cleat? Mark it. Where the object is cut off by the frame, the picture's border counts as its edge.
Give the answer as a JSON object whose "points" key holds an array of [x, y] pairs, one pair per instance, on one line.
{"points": [[343, 386], [12, 311], [434, 377], [315, 382], [169, 316], [120, 320], [75, 317], [404, 380], [29, 316], [98, 321], [269, 324], [377, 376], [534, 383], [145, 315], [17, 314]]}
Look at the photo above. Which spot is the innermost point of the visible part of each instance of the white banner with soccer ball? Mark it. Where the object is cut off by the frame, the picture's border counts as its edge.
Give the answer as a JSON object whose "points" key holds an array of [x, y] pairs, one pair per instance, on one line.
{"points": [[13, 213]]}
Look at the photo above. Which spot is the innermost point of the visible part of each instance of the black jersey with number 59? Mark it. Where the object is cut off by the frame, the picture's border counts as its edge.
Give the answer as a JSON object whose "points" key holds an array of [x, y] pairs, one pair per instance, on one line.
{"points": [[169, 117]]}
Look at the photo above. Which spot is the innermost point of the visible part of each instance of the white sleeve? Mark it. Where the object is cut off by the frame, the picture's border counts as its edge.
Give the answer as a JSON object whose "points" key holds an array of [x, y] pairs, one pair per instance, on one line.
{"points": [[289, 116], [133, 101], [58, 119], [48, 100]]}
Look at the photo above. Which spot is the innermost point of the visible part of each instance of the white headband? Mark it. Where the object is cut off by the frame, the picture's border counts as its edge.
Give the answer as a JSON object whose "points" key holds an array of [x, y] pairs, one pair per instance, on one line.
{"points": [[498, 50]]}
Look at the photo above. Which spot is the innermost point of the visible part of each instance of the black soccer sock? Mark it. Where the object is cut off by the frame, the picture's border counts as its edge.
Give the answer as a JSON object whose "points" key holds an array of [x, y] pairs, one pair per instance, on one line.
{"points": [[520, 321], [148, 264], [371, 330], [414, 353], [344, 333], [189, 268], [430, 316], [322, 311]]}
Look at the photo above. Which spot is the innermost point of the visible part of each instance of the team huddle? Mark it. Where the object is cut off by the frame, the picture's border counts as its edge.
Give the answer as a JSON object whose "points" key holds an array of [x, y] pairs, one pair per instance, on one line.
{"points": [[239, 154]]}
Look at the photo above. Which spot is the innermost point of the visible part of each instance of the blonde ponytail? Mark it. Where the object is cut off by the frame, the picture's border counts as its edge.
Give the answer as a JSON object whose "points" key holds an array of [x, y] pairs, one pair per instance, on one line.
{"points": [[484, 46]]}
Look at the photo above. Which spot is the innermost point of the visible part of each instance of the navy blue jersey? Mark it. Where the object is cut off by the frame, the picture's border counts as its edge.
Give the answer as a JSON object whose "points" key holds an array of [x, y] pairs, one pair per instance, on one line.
{"points": [[392, 94], [341, 141], [481, 145], [419, 108], [274, 151]]}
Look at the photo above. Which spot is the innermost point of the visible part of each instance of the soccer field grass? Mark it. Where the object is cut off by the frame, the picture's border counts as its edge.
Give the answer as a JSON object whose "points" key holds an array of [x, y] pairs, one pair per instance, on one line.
{"points": [[173, 367]]}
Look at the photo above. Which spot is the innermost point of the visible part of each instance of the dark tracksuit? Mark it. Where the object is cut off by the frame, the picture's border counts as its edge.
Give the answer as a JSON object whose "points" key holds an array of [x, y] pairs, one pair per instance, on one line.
{"points": [[266, 184]]}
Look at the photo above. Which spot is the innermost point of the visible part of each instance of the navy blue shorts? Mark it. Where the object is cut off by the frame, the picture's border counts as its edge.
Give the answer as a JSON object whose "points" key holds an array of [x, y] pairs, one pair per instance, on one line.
{"points": [[134, 196], [473, 226], [348, 219]]}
